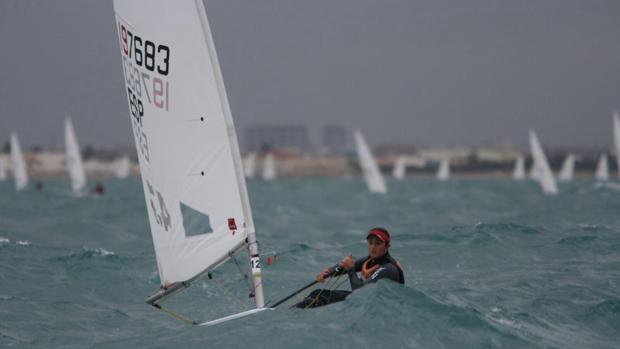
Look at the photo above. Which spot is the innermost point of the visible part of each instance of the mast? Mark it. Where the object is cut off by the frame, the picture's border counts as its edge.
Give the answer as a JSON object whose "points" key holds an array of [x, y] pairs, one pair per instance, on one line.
{"points": [[254, 259]]}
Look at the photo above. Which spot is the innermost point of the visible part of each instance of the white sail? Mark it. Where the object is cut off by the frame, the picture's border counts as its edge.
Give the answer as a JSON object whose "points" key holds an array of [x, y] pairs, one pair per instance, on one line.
{"points": [[443, 172], [188, 151], [374, 179], [249, 165], [123, 166], [617, 139], [19, 165], [519, 170], [602, 169], [2, 169], [74, 159], [540, 167], [568, 169], [269, 168], [399, 168]]}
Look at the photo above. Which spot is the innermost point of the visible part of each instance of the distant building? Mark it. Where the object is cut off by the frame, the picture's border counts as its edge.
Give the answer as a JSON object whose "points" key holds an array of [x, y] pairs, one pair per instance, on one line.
{"points": [[334, 139], [263, 137]]}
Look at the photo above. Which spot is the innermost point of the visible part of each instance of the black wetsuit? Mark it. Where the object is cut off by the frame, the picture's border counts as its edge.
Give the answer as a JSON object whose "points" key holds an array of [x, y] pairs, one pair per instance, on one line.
{"points": [[388, 269]]}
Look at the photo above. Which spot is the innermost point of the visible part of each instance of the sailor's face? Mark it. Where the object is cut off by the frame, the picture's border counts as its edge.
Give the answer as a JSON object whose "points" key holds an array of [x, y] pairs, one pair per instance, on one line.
{"points": [[376, 247]]}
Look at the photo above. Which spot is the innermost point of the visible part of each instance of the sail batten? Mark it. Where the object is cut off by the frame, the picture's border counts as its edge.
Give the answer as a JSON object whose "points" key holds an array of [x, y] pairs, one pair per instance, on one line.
{"points": [[187, 145]]}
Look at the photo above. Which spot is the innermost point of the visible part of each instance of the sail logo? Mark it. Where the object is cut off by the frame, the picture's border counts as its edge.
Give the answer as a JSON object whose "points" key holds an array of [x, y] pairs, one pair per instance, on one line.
{"points": [[232, 225]]}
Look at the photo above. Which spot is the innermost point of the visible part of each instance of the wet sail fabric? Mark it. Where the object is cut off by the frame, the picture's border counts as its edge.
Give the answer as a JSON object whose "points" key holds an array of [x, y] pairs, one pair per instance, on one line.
{"points": [[187, 145], [269, 168], [540, 168], [374, 179], [122, 167], [2, 169], [74, 159], [20, 173], [602, 169], [399, 168], [568, 168], [519, 171], [617, 139], [443, 172]]}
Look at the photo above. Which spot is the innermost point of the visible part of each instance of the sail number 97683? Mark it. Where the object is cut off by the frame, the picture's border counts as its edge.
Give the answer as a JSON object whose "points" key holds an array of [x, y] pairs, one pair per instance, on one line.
{"points": [[145, 53]]}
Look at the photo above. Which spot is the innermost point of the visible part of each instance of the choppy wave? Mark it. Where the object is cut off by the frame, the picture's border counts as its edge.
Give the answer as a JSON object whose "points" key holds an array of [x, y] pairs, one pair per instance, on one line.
{"points": [[487, 263], [87, 253]]}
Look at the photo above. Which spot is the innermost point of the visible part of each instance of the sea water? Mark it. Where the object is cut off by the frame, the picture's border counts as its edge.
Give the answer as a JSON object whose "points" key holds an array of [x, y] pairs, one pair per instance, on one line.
{"points": [[488, 263]]}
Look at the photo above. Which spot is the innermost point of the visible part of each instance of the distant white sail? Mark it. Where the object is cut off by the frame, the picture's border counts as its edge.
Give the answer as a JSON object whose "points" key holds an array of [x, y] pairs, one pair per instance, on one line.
{"points": [[2, 169], [374, 179], [269, 168], [519, 170], [568, 169], [20, 172], [74, 159], [249, 165], [443, 172], [541, 170], [602, 169], [123, 166], [399, 168], [617, 139], [190, 164]]}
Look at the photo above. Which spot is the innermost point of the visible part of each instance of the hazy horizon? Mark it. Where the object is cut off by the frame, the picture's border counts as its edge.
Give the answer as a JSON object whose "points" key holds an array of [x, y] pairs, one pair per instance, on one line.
{"points": [[425, 72]]}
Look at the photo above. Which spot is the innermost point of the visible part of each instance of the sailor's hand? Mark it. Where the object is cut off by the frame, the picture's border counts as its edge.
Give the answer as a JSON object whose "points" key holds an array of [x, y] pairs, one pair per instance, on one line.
{"points": [[320, 277], [367, 272], [347, 262]]}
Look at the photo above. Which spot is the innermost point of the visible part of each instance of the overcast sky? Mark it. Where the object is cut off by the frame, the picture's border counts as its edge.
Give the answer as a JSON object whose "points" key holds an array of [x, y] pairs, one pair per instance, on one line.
{"points": [[427, 72]]}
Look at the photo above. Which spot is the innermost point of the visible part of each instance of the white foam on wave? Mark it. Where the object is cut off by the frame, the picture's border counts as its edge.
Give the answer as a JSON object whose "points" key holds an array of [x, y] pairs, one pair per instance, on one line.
{"points": [[23, 243], [100, 251], [4, 240], [104, 252]]}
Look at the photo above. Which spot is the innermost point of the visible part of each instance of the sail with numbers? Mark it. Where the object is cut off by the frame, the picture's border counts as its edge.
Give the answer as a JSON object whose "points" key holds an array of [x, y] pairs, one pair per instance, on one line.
{"points": [[188, 152]]}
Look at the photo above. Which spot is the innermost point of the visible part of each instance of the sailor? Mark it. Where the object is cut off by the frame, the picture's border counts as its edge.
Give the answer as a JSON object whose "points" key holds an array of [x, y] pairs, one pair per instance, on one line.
{"points": [[374, 267], [99, 190]]}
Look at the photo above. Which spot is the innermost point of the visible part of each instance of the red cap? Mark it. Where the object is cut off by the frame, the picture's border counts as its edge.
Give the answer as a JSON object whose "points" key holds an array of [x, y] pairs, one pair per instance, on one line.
{"points": [[381, 234]]}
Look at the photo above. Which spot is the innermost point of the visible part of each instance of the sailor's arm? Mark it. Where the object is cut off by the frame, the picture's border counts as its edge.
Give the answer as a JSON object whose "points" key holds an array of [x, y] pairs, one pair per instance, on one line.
{"points": [[339, 269]]}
